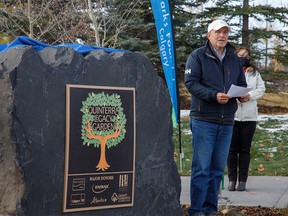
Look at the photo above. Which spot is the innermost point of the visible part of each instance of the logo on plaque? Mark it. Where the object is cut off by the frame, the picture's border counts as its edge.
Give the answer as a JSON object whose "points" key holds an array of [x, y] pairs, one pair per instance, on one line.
{"points": [[103, 123]]}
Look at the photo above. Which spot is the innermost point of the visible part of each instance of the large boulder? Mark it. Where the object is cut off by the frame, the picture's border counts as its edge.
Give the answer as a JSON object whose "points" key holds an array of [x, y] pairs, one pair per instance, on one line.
{"points": [[32, 126]]}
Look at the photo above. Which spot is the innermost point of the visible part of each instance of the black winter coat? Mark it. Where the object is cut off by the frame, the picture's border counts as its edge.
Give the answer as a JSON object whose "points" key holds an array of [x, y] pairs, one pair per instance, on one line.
{"points": [[205, 76]]}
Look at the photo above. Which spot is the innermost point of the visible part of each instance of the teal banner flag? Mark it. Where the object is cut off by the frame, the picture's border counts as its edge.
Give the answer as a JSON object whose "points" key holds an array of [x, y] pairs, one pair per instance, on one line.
{"points": [[165, 35]]}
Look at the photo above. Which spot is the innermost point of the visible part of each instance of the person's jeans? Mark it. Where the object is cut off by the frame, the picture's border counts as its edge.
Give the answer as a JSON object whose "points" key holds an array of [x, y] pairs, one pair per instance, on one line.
{"points": [[211, 143]]}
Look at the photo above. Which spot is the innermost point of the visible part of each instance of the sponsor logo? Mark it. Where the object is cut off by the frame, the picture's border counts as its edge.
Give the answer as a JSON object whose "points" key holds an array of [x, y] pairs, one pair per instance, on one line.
{"points": [[78, 184], [98, 200], [77, 199], [99, 188], [188, 71], [123, 182], [114, 197], [120, 198]]}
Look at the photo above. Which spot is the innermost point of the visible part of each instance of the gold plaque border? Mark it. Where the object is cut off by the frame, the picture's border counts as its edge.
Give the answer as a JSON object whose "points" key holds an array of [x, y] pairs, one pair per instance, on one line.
{"points": [[67, 142]]}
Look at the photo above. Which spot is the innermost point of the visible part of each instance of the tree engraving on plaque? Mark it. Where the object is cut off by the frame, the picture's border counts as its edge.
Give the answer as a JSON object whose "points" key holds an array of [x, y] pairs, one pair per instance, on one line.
{"points": [[103, 123]]}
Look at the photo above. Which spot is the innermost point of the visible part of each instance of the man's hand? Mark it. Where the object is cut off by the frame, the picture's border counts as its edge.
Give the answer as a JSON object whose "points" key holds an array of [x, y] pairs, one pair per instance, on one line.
{"points": [[222, 98]]}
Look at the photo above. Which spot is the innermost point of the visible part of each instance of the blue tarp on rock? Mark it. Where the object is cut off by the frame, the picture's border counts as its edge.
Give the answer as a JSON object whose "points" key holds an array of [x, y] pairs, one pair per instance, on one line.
{"points": [[38, 46]]}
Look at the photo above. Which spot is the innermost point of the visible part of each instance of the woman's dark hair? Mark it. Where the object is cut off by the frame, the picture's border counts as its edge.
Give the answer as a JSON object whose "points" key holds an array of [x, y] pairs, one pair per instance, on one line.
{"points": [[252, 66]]}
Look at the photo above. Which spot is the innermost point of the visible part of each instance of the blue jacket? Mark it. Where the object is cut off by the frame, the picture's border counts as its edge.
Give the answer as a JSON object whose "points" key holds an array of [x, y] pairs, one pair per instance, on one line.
{"points": [[205, 76]]}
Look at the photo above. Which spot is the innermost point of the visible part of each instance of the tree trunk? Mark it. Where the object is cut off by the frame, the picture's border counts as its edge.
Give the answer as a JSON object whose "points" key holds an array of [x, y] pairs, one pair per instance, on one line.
{"points": [[95, 23], [30, 19], [245, 28], [102, 165]]}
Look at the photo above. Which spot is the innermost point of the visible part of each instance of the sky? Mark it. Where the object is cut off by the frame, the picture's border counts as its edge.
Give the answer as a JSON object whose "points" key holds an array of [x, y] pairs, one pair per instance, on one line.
{"points": [[272, 3], [278, 3], [275, 3]]}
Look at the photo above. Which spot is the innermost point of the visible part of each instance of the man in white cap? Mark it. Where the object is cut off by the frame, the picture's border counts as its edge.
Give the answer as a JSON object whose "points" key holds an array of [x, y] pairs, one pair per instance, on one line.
{"points": [[209, 73]]}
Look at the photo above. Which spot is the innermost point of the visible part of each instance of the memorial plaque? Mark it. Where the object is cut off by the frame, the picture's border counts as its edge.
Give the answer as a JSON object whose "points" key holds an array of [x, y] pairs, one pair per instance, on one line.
{"points": [[100, 148]]}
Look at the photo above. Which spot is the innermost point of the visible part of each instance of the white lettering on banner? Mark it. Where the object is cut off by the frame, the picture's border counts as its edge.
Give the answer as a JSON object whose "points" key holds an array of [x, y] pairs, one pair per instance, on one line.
{"points": [[165, 39]]}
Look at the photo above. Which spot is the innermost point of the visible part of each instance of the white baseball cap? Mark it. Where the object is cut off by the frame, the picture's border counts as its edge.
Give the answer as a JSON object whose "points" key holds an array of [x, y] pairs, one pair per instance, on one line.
{"points": [[217, 24]]}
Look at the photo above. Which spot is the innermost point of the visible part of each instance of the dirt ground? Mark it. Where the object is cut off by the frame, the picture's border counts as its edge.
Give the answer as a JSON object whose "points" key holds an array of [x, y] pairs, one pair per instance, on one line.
{"points": [[273, 103], [244, 211]]}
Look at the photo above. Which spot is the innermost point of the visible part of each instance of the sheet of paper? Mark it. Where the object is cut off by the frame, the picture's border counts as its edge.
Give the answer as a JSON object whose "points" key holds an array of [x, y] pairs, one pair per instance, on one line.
{"points": [[237, 91]]}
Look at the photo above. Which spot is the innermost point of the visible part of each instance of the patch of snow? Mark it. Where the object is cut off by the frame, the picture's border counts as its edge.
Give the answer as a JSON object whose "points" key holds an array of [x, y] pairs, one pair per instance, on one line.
{"points": [[184, 113], [261, 118]]}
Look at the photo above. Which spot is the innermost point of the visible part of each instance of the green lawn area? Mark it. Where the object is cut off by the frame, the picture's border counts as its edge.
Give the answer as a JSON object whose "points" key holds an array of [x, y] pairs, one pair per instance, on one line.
{"points": [[269, 152]]}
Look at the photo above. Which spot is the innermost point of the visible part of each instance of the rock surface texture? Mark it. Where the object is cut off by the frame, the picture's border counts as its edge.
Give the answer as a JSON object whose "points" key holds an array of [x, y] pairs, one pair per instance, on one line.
{"points": [[32, 129]]}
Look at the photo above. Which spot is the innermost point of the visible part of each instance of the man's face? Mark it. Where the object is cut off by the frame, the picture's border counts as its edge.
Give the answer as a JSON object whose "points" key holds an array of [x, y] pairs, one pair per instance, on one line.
{"points": [[218, 38]]}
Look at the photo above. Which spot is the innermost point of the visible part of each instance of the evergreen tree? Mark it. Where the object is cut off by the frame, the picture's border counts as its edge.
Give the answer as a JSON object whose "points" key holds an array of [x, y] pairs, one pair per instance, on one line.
{"points": [[189, 32], [140, 34], [240, 14]]}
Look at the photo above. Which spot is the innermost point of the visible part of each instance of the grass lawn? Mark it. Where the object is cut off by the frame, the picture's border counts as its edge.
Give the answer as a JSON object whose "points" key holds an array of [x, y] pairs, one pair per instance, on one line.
{"points": [[269, 152]]}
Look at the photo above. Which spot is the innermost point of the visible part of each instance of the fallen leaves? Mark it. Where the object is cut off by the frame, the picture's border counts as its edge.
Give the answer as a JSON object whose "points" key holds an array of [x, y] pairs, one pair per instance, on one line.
{"points": [[252, 211], [225, 211], [261, 168], [243, 211]]}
